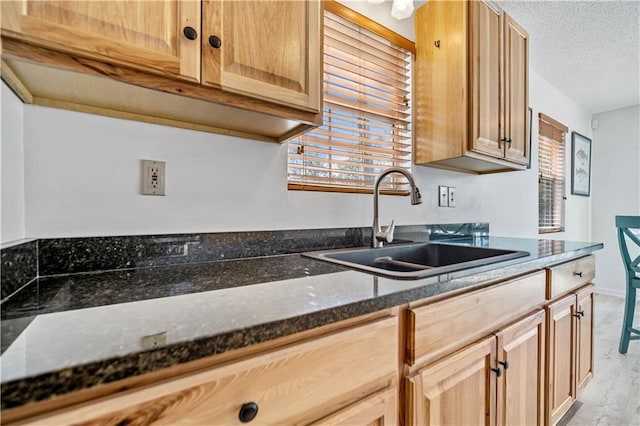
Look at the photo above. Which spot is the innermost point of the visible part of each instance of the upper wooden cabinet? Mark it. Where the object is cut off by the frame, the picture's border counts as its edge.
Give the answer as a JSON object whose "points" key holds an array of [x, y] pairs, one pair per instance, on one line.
{"points": [[267, 49], [471, 88], [260, 56], [516, 91], [148, 35]]}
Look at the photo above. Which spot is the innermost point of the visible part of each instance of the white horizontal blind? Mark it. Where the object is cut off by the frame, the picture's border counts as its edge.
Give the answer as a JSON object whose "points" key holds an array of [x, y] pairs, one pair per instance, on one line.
{"points": [[367, 114], [551, 176]]}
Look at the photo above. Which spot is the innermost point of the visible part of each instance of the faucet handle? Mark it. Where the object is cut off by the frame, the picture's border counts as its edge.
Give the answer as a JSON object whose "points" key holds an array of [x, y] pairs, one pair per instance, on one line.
{"points": [[387, 233]]}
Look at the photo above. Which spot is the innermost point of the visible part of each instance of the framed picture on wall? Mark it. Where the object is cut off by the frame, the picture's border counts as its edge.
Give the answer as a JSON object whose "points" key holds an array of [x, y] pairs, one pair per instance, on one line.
{"points": [[580, 164]]}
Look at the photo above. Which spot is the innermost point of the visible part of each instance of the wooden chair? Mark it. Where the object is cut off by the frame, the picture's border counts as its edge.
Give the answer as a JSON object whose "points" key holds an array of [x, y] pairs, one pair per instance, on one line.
{"points": [[628, 238]]}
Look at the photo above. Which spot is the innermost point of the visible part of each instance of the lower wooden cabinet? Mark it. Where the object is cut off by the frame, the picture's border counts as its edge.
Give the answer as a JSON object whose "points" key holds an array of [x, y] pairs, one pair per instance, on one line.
{"points": [[497, 380], [561, 332], [521, 354], [457, 390], [570, 358], [584, 345], [297, 384], [508, 353], [380, 409]]}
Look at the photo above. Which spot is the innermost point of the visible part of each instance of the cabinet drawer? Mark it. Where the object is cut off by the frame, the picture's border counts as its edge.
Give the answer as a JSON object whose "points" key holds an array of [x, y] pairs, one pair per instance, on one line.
{"points": [[301, 382], [442, 327], [378, 409], [571, 275]]}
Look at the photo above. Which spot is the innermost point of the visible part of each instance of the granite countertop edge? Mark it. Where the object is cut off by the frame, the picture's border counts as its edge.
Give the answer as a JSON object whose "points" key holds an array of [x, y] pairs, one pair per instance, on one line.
{"points": [[16, 393]]}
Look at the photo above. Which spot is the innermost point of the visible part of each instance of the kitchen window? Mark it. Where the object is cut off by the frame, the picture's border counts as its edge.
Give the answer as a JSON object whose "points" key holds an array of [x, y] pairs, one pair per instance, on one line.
{"points": [[367, 110], [551, 177]]}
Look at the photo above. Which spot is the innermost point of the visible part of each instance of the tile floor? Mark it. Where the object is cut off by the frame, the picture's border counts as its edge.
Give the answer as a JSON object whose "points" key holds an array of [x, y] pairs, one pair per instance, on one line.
{"points": [[613, 396]]}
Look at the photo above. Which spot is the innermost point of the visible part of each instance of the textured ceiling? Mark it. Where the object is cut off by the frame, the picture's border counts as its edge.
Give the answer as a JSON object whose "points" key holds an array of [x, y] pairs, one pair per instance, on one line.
{"points": [[589, 50]]}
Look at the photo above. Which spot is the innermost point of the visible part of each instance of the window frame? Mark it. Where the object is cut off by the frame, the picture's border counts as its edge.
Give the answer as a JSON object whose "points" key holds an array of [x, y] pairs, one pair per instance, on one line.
{"points": [[377, 29], [555, 136]]}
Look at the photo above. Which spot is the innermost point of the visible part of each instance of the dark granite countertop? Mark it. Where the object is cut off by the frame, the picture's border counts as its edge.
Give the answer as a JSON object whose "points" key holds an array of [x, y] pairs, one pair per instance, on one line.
{"points": [[65, 333]]}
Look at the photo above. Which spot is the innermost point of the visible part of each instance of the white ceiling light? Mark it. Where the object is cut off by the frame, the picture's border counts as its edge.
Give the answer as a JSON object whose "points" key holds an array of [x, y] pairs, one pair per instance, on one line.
{"points": [[401, 9]]}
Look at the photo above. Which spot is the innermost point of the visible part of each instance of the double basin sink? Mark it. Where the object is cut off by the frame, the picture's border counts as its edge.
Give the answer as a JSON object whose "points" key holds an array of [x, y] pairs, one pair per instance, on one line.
{"points": [[417, 260]]}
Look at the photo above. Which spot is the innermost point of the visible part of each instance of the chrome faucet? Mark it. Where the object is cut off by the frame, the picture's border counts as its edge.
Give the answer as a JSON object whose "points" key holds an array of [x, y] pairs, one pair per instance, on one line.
{"points": [[378, 235]]}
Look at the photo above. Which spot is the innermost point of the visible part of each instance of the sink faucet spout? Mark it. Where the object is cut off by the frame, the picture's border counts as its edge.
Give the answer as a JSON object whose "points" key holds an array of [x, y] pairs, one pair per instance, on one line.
{"points": [[379, 235]]}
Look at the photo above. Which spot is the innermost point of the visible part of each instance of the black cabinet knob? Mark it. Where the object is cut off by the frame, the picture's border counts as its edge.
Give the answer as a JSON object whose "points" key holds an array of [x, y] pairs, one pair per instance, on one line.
{"points": [[248, 412], [215, 42], [190, 33], [505, 364], [578, 274], [498, 371]]}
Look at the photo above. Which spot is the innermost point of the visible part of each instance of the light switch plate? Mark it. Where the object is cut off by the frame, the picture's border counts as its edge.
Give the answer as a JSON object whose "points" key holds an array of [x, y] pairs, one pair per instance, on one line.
{"points": [[153, 177], [443, 196], [452, 196]]}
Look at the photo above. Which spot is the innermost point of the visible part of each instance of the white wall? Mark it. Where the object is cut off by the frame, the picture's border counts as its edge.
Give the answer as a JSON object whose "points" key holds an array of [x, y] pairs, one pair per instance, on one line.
{"points": [[12, 154], [614, 188], [545, 98], [82, 178]]}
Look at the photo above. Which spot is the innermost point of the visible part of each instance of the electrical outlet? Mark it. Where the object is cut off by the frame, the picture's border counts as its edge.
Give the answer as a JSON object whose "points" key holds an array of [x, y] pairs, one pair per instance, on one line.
{"points": [[153, 177], [443, 196], [452, 196], [154, 340]]}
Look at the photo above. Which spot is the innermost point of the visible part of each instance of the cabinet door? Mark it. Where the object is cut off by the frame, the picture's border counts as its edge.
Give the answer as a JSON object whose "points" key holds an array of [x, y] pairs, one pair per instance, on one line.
{"points": [[142, 34], [267, 49], [521, 353], [380, 409], [458, 390], [486, 48], [516, 91], [584, 347], [561, 343]]}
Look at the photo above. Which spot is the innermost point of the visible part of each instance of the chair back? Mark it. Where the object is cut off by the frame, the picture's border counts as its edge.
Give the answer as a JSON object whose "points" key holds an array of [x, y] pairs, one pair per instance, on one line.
{"points": [[629, 239]]}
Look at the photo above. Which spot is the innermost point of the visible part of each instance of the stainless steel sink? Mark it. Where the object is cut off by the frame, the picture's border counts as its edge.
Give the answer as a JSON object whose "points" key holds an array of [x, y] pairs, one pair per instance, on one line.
{"points": [[414, 261]]}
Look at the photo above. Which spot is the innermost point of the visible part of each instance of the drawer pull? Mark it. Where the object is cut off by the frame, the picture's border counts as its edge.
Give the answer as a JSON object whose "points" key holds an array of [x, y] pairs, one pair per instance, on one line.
{"points": [[190, 33], [498, 371], [578, 274], [248, 412], [579, 314], [215, 42], [505, 364]]}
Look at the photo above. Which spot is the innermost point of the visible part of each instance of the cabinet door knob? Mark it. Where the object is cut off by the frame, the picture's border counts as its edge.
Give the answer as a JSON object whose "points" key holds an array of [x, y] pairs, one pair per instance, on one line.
{"points": [[578, 274], [579, 314], [498, 371], [505, 364], [248, 412], [190, 33], [215, 42]]}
